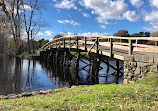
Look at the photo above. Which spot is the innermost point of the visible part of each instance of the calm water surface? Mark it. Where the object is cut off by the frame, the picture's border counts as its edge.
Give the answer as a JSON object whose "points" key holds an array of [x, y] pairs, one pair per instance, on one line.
{"points": [[22, 75]]}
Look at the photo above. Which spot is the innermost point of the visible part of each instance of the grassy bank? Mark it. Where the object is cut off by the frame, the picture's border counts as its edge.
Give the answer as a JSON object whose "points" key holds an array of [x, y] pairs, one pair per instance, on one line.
{"points": [[140, 96]]}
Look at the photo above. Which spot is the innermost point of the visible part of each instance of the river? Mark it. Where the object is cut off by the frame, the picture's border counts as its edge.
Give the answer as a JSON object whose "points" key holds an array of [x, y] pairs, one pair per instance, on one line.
{"points": [[23, 75]]}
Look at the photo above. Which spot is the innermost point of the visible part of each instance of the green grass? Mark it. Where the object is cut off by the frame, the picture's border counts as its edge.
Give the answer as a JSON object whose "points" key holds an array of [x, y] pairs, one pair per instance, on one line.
{"points": [[140, 96]]}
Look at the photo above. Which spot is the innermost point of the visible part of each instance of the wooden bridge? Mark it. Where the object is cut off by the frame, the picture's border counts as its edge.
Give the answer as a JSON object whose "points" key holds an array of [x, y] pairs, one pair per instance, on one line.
{"points": [[108, 46]]}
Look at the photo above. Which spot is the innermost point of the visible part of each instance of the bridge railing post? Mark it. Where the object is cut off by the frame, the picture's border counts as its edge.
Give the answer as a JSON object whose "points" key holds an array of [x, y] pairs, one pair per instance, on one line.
{"points": [[69, 42], [155, 43], [56, 43], [77, 43], [49, 45], [111, 47], [85, 43], [59, 43], [97, 45], [130, 47], [136, 42], [64, 42]]}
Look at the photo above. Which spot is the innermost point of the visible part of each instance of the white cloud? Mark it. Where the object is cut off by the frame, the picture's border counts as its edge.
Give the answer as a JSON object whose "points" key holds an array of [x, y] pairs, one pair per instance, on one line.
{"points": [[103, 26], [27, 7], [49, 33], [66, 33], [66, 4], [87, 33], [68, 21], [152, 18], [131, 16], [35, 36], [40, 34], [106, 9], [54, 0], [85, 15], [95, 34], [154, 3], [136, 3]]}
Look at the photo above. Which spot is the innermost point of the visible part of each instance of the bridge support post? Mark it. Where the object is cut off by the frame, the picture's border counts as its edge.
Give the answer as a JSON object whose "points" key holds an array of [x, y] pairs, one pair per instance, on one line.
{"points": [[111, 47], [73, 74], [77, 66], [94, 71], [95, 64], [64, 64], [118, 70]]}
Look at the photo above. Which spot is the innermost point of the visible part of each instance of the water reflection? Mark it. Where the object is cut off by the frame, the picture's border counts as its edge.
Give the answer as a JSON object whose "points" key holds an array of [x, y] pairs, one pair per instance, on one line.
{"points": [[22, 75], [17, 76]]}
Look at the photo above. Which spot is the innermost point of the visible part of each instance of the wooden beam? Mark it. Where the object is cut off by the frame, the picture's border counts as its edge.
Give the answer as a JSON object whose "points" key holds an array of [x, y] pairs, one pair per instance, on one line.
{"points": [[97, 45], [77, 43], [85, 43], [130, 47], [70, 43], [155, 43], [56, 44], [110, 65], [136, 43], [118, 70], [111, 47], [59, 43], [64, 42], [86, 66]]}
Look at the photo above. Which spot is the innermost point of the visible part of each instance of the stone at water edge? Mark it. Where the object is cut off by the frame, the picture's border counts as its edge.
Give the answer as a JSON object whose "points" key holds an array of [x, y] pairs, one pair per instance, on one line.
{"points": [[34, 93], [26, 94], [73, 87]]}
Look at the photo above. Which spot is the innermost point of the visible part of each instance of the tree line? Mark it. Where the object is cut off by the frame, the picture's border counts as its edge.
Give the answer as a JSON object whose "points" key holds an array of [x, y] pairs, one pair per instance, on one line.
{"points": [[124, 33]]}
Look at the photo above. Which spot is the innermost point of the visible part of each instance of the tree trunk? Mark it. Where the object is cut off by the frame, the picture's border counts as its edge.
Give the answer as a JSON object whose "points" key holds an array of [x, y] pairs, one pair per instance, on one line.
{"points": [[28, 42]]}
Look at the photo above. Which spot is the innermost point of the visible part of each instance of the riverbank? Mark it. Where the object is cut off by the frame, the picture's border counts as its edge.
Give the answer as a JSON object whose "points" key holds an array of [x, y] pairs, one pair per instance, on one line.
{"points": [[32, 56], [142, 95], [25, 55]]}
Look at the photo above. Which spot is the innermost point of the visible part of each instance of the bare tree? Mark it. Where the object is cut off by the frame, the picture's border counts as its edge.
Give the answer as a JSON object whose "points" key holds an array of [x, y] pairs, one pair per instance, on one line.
{"points": [[11, 8], [22, 14], [31, 23]]}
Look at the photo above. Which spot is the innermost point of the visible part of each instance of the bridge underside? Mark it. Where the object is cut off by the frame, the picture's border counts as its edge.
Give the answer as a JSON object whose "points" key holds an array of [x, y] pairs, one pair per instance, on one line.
{"points": [[77, 60]]}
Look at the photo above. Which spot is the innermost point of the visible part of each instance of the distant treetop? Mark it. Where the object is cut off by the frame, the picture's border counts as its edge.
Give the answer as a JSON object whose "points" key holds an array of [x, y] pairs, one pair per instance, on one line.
{"points": [[154, 34], [122, 33]]}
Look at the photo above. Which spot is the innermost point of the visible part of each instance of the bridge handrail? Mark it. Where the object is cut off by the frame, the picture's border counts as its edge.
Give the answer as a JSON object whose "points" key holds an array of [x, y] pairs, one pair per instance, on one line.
{"points": [[95, 37]]}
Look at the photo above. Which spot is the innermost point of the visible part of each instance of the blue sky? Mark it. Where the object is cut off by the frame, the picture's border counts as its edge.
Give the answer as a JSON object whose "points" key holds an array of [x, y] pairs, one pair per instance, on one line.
{"points": [[103, 17]]}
